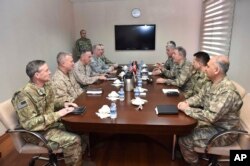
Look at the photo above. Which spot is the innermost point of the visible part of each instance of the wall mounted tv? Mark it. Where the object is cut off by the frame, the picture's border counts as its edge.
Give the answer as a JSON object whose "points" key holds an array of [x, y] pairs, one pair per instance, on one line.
{"points": [[135, 37]]}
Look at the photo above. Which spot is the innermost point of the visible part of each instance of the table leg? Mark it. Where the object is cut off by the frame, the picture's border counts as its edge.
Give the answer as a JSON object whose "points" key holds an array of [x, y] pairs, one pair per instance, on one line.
{"points": [[173, 147]]}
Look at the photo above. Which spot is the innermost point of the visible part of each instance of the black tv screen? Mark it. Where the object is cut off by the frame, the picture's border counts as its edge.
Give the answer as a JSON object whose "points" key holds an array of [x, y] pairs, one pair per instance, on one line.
{"points": [[135, 37]]}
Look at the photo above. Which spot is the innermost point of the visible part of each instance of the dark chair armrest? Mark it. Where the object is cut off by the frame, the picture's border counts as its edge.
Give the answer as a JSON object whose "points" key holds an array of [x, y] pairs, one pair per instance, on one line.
{"points": [[218, 135], [36, 134]]}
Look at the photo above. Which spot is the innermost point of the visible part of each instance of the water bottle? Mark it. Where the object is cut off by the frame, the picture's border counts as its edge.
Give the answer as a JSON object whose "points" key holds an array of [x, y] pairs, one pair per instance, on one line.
{"points": [[139, 82], [113, 112], [136, 91], [121, 94]]}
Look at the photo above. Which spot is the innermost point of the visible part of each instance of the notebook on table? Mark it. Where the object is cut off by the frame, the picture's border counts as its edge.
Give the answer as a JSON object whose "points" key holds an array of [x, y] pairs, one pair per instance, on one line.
{"points": [[94, 91], [171, 92], [166, 109]]}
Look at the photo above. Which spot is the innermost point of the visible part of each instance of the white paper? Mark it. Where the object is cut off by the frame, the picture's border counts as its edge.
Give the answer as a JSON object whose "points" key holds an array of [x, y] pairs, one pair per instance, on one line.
{"points": [[111, 79], [170, 90], [103, 112], [94, 92], [138, 101]]}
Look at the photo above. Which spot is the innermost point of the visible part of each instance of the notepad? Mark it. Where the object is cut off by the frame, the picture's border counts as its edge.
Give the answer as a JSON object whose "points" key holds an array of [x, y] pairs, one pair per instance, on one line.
{"points": [[171, 92], [94, 91], [166, 109]]}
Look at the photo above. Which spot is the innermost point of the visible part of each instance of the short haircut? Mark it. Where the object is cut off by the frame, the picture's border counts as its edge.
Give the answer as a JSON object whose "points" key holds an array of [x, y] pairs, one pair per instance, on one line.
{"points": [[101, 45], [33, 66], [82, 30], [182, 51], [223, 63], [171, 44], [84, 51], [202, 57], [61, 55], [95, 46]]}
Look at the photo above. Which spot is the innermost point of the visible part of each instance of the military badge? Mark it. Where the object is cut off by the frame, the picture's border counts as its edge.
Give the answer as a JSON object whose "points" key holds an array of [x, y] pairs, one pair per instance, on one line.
{"points": [[22, 104]]}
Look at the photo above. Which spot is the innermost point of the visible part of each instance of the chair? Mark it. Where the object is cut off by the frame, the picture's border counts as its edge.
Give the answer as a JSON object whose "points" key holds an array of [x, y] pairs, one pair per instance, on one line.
{"points": [[9, 119], [243, 141]]}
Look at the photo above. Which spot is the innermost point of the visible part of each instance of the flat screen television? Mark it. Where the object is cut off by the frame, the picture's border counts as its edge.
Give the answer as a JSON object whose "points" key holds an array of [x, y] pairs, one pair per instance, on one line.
{"points": [[135, 37]]}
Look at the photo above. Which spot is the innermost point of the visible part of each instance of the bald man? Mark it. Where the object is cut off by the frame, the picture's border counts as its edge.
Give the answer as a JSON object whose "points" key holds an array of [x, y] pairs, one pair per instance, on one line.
{"points": [[216, 109]]}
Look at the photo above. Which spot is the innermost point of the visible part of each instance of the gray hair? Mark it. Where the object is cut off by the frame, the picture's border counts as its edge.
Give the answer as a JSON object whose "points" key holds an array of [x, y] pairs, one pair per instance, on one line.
{"points": [[223, 63], [182, 51], [171, 44], [60, 57], [94, 47], [33, 66]]}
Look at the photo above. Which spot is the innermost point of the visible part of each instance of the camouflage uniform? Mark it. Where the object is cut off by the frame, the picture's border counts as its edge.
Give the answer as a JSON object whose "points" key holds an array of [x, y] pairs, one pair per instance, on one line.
{"points": [[106, 60], [83, 44], [65, 86], [181, 74], [35, 110], [169, 64], [98, 66], [84, 74], [199, 80], [216, 109]]}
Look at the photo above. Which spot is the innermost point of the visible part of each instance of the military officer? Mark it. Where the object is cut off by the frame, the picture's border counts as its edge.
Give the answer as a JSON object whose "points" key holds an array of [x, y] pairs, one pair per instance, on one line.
{"points": [[181, 73], [35, 104], [83, 72], [105, 59], [216, 109], [83, 43], [199, 78], [97, 65], [169, 64], [65, 85]]}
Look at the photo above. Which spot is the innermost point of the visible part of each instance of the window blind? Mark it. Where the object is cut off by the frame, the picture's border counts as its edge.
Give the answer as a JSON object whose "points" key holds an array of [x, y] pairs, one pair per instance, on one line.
{"points": [[216, 26]]}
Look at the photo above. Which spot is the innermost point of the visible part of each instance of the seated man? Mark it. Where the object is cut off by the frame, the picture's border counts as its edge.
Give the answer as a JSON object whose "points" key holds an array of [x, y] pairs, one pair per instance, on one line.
{"points": [[97, 65], [216, 109], [105, 59], [181, 71], [65, 85], [199, 78], [83, 72], [169, 64], [35, 104]]}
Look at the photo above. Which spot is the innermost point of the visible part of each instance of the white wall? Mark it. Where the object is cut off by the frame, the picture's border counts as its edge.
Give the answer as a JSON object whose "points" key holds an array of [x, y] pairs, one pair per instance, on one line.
{"points": [[239, 53], [176, 20], [31, 29]]}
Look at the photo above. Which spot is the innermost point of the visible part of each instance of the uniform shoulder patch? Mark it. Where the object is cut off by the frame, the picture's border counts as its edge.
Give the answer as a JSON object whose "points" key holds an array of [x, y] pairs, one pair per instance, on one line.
{"points": [[22, 104]]}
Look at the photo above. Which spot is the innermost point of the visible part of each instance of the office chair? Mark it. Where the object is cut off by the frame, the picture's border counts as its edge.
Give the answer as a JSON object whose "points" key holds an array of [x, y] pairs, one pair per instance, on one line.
{"points": [[243, 142], [9, 119]]}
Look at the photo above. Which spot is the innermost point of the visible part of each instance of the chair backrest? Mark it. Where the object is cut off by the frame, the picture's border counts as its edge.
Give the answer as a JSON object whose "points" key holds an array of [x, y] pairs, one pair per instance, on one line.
{"points": [[244, 140], [240, 89], [9, 119], [8, 115]]}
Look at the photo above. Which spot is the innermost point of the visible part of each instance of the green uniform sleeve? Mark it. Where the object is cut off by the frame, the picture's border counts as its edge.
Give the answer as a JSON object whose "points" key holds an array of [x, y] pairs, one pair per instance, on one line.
{"points": [[30, 117], [182, 77], [218, 107]]}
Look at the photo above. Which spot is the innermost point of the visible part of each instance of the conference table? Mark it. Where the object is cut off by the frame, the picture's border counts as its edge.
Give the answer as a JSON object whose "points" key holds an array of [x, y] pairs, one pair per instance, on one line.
{"points": [[129, 120]]}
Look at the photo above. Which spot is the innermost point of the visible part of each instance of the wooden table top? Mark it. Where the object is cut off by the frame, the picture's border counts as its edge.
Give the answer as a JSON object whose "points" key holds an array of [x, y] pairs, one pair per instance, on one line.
{"points": [[129, 120]]}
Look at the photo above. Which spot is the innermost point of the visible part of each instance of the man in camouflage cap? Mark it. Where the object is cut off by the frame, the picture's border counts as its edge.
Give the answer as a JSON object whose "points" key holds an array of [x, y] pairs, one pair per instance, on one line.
{"points": [[216, 109], [199, 78], [65, 85], [35, 104], [181, 73], [169, 64], [83, 43]]}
